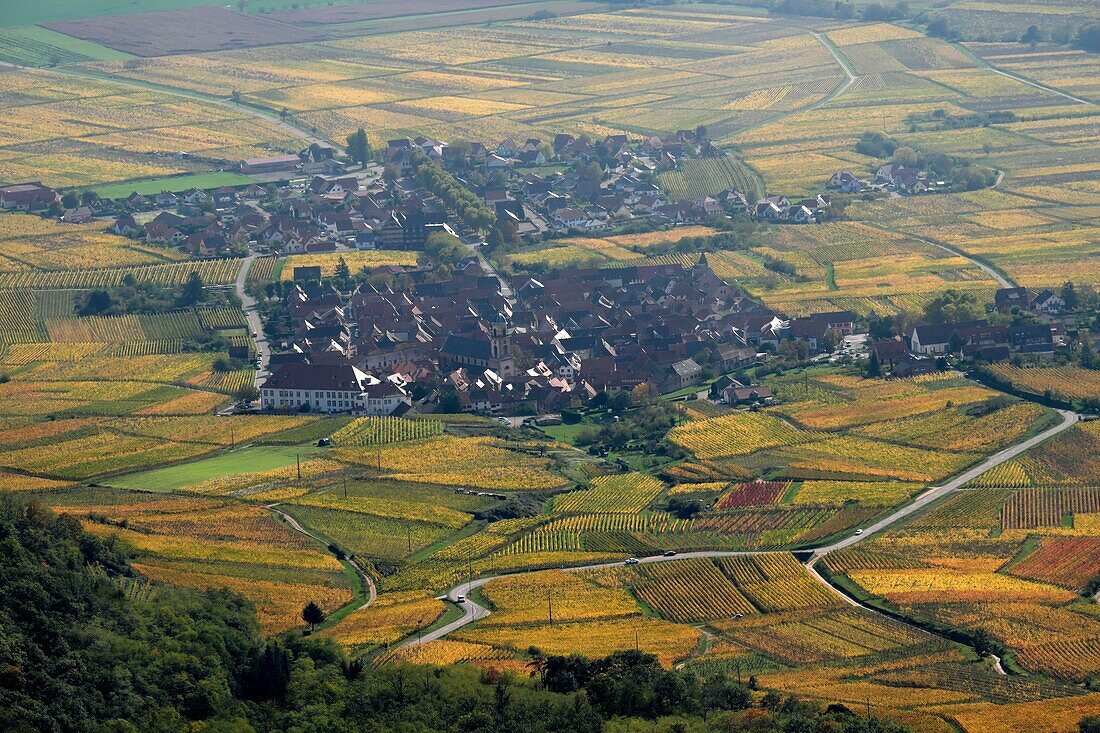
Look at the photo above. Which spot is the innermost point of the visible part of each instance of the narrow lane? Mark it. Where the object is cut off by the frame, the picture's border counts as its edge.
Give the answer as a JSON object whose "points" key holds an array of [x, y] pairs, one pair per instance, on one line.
{"points": [[368, 581], [252, 317]]}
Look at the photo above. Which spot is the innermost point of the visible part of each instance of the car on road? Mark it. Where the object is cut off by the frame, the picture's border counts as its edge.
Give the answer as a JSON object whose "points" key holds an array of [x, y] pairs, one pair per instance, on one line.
{"points": [[632, 561], [859, 531], [460, 598], [253, 334], [670, 553]]}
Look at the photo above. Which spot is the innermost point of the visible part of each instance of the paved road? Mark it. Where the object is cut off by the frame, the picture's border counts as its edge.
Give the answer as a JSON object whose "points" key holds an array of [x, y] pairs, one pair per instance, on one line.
{"points": [[934, 494], [505, 286], [252, 316], [473, 611]]}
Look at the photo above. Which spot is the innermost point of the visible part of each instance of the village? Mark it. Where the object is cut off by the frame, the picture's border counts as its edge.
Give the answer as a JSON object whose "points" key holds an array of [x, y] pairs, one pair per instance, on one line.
{"points": [[464, 337]]}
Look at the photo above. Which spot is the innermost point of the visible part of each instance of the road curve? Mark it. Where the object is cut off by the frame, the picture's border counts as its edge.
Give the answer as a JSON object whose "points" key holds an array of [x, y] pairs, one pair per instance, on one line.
{"points": [[474, 611], [368, 581]]}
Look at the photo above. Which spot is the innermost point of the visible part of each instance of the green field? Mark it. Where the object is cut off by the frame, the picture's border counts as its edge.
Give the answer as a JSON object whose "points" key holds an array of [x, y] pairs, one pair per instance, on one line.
{"points": [[264, 458], [50, 11], [33, 46], [173, 183]]}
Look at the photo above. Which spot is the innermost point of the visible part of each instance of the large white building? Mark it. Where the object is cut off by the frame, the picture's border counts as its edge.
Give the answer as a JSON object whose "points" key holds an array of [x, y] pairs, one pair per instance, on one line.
{"points": [[331, 388]]}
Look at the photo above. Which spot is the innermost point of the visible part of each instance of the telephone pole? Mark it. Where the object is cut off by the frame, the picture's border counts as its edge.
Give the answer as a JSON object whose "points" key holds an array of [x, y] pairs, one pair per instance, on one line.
{"points": [[298, 460], [550, 606]]}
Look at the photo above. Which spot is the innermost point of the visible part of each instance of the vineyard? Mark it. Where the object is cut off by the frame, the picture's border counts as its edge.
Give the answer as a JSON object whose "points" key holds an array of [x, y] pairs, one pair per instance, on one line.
{"points": [[709, 177], [475, 462], [1069, 382], [629, 493], [777, 582], [1033, 508], [213, 272], [385, 430], [1068, 562], [688, 590], [736, 434], [532, 598], [753, 493]]}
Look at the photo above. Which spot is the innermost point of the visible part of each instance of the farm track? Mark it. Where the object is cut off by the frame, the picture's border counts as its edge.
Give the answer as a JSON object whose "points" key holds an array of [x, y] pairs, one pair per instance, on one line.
{"points": [[473, 611], [982, 63], [254, 111], [364, 576], [850, 78], [995, 273]]}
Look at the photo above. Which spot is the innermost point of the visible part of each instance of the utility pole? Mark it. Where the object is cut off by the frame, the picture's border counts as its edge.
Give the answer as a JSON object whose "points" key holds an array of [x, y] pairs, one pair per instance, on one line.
{"points": [[345, 486], [409, 533], [298, 459], [550, 606]]}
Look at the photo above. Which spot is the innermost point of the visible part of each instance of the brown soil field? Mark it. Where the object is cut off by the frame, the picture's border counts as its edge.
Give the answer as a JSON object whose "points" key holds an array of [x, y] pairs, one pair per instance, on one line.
{"points": [[187, 30], [387, 9]]}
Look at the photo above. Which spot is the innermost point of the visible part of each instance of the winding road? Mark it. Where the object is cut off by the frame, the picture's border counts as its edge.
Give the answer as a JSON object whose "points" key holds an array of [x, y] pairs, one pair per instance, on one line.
{"points": [[474, 611], [364, 576]]}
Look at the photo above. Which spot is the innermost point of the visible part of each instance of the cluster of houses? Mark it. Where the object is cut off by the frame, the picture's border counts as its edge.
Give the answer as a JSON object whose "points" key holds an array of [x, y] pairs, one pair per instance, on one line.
{"points": [[567, 199], [323, 215], [28, 197], [559, 340], [917, 350], [555, 341], [888, 178]]}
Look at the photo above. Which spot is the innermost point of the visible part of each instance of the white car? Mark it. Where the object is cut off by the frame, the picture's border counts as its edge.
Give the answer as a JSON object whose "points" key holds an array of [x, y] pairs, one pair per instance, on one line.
{"points": [[460, 598], [859, 531], [632, 561]]}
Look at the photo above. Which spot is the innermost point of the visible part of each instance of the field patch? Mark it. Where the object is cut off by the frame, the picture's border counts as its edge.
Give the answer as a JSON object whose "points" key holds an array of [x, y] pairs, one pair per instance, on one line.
{"points": [[184, 30]]}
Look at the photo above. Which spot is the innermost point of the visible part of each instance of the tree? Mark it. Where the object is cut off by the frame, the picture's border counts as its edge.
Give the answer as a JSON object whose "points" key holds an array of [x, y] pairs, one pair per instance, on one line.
{"points": [[1088, 37], [876, 145], [70, 200], [241, 5], [955, 342], [953, 305], [1069, 294], [1032, 35], [874, 367], [248, 393], [236, 96], [683, 507], [983, 642], [700, 132], [905, 155], [193, 290], [1089, 724], [313, 615], [97, 301], [343, 272], [359, 146], [1089, 360]]}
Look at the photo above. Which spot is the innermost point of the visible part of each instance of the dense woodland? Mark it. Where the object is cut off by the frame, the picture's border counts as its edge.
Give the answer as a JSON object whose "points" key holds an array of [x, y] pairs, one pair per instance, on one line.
{"points": [[85, 646]]}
